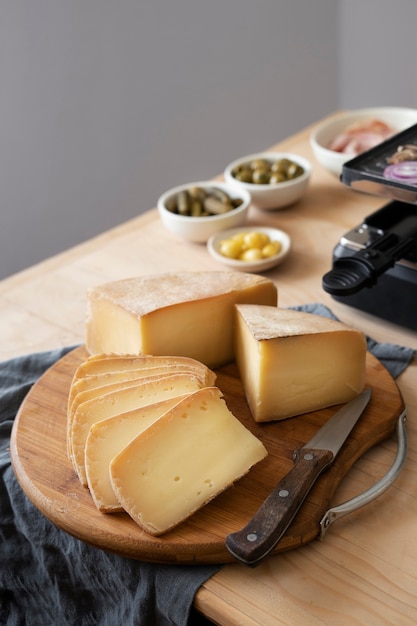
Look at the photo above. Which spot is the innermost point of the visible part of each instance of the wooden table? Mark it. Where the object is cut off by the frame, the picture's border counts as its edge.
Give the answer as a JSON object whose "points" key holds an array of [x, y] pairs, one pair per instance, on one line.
{"points": [[365, 569]]}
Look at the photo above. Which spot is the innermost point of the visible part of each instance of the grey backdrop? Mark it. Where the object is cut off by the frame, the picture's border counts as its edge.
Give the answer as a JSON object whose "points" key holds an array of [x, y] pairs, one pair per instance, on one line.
{"points": [[104, 104]]}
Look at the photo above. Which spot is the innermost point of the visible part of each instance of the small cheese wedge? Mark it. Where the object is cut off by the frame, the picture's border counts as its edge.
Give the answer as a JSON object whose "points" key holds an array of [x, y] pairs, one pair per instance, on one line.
{"points": [[292, 362], [116, 402], [105, 440], [192, 453], [188, 314]]}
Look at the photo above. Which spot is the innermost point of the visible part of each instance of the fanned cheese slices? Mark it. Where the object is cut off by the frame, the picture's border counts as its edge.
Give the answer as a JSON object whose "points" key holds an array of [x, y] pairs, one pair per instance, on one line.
{"points": [[292, 362], [192, 453], [187, 313], [201, 438], [120, 401], [104, 369], [101, 374]]}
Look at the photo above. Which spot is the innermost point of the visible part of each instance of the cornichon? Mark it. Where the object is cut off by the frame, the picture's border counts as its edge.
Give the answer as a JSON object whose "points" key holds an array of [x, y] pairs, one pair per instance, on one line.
{"points": [[199, 202]]}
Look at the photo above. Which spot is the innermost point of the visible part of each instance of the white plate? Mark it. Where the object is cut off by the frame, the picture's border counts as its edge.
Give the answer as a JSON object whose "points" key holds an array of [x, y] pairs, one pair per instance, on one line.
{"points": [[250, 266]]}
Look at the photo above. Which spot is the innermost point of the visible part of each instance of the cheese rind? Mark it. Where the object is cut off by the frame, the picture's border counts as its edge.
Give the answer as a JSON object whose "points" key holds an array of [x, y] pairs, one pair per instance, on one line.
{"points": [[105, 440], [292, 362], [188, 314], [187, 457], [97, 364], [117, 402]]}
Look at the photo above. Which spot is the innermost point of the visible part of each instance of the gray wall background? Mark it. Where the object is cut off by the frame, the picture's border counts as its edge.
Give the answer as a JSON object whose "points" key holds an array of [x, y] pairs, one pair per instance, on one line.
{"points": [[104, 104]]}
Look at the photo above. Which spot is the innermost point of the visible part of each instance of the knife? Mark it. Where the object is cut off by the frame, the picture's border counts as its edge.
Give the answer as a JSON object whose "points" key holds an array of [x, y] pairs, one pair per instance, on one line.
{"points": [[263, 532]]}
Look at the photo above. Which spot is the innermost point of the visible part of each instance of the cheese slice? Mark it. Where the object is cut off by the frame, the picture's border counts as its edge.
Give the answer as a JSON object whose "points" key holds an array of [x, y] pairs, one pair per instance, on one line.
{"points": [[116, 402], [188, 456], [105, 440], [97, 364], [292, 362], [188, 314]]}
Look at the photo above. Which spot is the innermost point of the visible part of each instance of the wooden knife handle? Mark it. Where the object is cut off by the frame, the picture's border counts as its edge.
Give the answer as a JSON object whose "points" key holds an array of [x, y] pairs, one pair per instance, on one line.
{"points": [[260, 536]]}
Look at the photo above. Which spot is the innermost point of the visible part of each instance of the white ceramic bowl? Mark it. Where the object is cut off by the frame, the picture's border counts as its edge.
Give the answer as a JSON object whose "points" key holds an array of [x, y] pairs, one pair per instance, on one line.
{"points": [[200, 229], [262, 265], [270, 197], [397, 117]]}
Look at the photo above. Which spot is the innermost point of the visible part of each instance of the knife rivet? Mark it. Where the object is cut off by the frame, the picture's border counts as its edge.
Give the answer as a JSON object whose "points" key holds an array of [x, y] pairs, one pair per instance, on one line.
{"points": [[251, 537], [283, 493], [308, 456]]}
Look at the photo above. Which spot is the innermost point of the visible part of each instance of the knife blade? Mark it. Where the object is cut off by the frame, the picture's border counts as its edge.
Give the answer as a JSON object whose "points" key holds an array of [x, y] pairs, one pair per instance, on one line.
{"points": [[263, 532]]}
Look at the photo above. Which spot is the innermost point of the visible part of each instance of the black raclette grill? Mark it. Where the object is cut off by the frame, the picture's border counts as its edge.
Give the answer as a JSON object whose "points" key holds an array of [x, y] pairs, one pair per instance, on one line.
{"points": [[366, 171], [375, 264]]}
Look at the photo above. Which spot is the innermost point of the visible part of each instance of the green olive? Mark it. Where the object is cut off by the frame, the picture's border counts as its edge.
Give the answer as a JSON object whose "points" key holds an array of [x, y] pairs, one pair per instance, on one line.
{"points": [[281, 165], [260, 164], [260, 177], [294, 171], [244, 175], [277, 177], [264, 171]]}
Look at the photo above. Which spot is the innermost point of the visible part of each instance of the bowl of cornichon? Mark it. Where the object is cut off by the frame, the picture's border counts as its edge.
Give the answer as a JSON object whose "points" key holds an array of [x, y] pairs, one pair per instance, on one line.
{"points": [[196, 211]]}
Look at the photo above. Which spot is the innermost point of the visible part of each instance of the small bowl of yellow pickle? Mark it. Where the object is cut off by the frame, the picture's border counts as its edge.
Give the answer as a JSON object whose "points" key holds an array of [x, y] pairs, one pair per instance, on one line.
{"points": [[196, 211], [251, 248], [273, 179]]}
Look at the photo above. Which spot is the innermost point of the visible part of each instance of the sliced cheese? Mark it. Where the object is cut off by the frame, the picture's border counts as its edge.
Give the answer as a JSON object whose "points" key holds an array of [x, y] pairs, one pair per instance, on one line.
{"points": [[103, 373], [92, 388], [188, 314], [292, 362], [188, 456], [116, 402], [106, 439]]}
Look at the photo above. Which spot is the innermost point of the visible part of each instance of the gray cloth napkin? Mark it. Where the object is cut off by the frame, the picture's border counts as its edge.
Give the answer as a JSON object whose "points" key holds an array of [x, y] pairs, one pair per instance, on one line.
{"points": [[48, 577]]}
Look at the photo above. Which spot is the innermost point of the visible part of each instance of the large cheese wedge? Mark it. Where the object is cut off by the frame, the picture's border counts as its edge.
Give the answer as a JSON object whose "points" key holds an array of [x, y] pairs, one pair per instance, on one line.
{"points": [[188, 314], [116, 402], [292, 362], [192, 453], [105, 440]]}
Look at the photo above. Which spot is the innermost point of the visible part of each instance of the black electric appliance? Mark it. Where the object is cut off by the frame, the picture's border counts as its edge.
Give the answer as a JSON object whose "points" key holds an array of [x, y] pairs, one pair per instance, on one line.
{"points": [[374, 265]]}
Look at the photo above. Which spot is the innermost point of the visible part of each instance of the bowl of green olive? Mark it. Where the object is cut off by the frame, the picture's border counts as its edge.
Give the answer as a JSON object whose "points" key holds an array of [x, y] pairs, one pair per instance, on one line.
{"points": [[274, 180], [196, 211]]}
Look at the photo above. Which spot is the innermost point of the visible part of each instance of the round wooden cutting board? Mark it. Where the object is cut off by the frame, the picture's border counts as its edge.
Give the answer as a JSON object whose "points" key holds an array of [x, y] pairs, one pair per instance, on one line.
{"points": [[39, 459]]}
